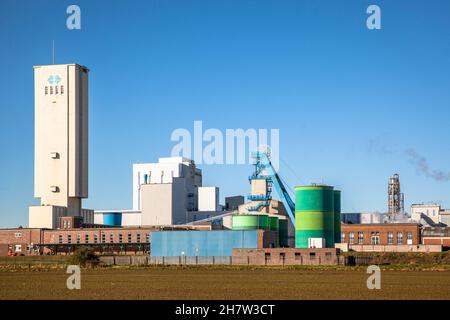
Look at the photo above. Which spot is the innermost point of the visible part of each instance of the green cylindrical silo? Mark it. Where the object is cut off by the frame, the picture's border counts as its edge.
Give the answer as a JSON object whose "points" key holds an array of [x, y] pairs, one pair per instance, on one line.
{"points": [[314, 215], [250, 222], [274, 224], [283, 232], [337, 216]]}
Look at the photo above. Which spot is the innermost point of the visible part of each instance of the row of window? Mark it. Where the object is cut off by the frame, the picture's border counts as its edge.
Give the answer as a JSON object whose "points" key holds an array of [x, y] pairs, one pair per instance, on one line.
{"points": [[95, 239], [297, 255], [54, 90], [375, 237]]}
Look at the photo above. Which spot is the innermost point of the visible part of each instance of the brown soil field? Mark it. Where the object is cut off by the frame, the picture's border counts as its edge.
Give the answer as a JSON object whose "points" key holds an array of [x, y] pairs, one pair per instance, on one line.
{"points": [[223, 283]]}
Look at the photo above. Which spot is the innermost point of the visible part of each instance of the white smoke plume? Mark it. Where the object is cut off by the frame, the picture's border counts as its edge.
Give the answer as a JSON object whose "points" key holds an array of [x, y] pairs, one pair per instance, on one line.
{"points": [[422, 166], [418, 160]]}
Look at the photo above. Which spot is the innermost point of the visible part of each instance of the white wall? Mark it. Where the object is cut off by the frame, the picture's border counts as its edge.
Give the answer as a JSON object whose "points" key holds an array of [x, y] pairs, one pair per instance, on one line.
{"points": [[156, 204], [45, 216], [208, 199], [61, 124], [131, 219], [429, 210], [163, 172]]}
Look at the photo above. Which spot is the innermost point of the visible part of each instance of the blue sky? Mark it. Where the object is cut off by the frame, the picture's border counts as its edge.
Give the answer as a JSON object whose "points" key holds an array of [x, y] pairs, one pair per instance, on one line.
{"points": [[348, 101]]}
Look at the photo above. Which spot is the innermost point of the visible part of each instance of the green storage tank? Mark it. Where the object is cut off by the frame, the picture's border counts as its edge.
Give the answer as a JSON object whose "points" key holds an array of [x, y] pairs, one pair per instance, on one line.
{"points": [[283, 232], [314, 215], [250, 222], [274, 224], [337, 216]]}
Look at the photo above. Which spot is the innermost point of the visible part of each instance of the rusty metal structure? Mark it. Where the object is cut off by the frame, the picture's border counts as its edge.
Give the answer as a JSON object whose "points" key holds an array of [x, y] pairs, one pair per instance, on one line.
{"points": [[396, 203]]}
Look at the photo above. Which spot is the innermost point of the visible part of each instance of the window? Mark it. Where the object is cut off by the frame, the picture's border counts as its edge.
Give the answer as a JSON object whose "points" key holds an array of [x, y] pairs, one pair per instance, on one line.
{"points": [[342, 237], [51, 90], [18, 235], [328, 255], [390, 238], [86, 238], [298, 256], [399, 238], [267, 255], [120, 238], [138, 238], [62, 89], [282, 255], [409, 235], [147, 237], [351, 236], [18, 247], [129, 237], [95, 238], [375, 239], [46, 90], [69, 238], [78, 238], [360, 237], [111, 237], [60, 238], [103, 237], [56, 89], [312, 255]]}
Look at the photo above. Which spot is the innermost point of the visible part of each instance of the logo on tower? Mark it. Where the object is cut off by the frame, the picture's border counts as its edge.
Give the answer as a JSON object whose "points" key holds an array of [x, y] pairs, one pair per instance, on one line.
{"points": [[54, 79]]}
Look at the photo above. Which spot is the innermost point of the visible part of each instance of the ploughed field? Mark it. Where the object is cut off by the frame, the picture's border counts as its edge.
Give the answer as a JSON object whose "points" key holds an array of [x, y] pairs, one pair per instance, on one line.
{"points": [[222, 283]]}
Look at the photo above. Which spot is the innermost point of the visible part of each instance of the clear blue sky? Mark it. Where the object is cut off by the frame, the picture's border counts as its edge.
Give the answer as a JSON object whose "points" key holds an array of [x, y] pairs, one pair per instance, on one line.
{"points": [[348, 101]]}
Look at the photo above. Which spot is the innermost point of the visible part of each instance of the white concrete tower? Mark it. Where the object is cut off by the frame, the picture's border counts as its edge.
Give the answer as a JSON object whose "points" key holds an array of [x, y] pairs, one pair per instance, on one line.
{"points": [[61, 143]]}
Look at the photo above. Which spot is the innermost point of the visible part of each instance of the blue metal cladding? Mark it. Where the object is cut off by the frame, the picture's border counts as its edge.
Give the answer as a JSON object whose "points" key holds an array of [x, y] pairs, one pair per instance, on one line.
{"points": [[112, 218], [201, 243]]}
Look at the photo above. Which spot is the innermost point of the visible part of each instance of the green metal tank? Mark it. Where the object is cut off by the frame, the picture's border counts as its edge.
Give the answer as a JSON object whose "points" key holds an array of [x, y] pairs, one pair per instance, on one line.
{"points": [[274, 224], [337, 216], [314, 215], [250, 222], [283, 232]]}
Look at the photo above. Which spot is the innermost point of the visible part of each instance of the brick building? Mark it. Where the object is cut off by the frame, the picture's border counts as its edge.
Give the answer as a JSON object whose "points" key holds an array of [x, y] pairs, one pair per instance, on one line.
{"points": [[287, 256], [381, 234], [19, 240], [23, 241], [436, 236]]}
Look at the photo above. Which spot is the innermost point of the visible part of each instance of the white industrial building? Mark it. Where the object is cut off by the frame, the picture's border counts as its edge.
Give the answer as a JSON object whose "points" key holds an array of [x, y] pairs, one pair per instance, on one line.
{"points": [[168, 192], [431, 214], [208, 199], [61, 144], [164, 171]]}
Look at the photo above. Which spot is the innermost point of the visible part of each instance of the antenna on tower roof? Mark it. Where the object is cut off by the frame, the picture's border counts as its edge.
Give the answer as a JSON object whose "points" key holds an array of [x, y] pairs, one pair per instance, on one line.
{"points": [[53, 52]]}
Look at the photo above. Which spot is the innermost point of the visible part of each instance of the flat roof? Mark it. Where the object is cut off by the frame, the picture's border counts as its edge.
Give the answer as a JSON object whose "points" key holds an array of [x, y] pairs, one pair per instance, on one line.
{"points": [[62, 64]]}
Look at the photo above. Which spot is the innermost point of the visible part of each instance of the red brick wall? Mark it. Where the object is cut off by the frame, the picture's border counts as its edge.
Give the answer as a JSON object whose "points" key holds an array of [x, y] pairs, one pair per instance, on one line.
{"points": [[383, 230], [52, 236], [23, 237], [444, 241], [286, 256]]}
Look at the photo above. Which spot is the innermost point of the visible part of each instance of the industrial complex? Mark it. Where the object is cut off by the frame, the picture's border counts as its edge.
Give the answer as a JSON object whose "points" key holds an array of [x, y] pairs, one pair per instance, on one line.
{"points": [[175, 218]]}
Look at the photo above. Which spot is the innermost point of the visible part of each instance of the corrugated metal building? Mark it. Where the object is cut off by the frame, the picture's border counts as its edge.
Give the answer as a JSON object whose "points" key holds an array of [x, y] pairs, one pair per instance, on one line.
{"points": [[207, 243]]}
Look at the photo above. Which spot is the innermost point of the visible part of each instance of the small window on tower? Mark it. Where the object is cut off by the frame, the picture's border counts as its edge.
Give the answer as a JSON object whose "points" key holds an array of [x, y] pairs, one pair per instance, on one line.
{"points": [[56, 89], [62, 89], [51, 90], [46, 90]]}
